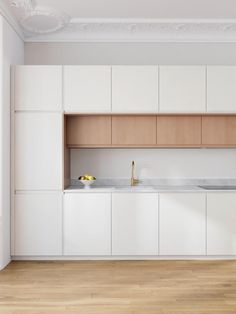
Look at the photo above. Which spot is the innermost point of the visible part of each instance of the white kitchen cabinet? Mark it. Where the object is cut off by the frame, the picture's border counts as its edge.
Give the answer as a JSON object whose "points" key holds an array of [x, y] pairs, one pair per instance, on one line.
{"points": [[87, 224], [38, 151], [221, 91], [87, 88], [182, 224], [182, 89], [37, 227], [38, 88], [221, 224], [135, 88], [135, 224]]}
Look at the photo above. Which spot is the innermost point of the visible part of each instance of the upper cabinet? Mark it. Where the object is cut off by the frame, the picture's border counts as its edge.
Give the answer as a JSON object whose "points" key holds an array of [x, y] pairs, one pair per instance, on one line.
{"points": [[178, 130], [221, 91], [133, 130], [38, 88], [219, 130], [134, 88], [87, 88], [182, 89]]}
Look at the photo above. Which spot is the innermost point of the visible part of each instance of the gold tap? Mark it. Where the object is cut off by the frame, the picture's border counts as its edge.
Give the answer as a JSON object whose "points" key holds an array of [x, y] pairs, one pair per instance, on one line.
{"points": [[133, 180]]}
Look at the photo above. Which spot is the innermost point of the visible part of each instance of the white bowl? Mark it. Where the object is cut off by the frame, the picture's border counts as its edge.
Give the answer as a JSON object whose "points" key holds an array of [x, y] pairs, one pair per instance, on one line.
{"points": [[87, 183]]}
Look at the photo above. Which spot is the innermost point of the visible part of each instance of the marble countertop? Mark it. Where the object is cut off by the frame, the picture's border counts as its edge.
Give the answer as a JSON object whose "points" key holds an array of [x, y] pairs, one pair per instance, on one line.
{"points": [[122, 185]]}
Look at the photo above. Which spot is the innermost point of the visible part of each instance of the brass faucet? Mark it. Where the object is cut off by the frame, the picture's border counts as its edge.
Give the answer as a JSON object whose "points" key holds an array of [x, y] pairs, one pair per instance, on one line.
{"points": [[133, 180]]}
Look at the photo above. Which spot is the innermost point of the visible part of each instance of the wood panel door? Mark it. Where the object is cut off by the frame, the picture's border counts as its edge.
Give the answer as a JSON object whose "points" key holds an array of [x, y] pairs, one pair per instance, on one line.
{"points": [[178, 130], [88, 131], [182, 89], [134, 130], [219, 130]]}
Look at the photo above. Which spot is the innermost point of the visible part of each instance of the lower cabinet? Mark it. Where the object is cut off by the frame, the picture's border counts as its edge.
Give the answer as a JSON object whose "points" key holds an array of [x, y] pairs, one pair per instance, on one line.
{"points": [[182, 224], [135, 224], [221, 224], [37, 224], [87, 224]]}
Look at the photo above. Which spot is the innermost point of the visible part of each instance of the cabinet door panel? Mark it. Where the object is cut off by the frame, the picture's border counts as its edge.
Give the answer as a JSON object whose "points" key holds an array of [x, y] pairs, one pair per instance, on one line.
{"points": [[221, 224], [219, 130], [87, 224], [88, 130], [134, 224], [221, 91], [182, 224], [38, 88], [134, 88], [38, 151], [176, 130], [133, 130], [182, 89], [87, 88], [37, 228]]}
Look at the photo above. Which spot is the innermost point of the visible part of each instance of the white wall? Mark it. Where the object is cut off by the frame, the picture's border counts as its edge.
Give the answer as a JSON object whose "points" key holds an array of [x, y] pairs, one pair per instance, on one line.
{"points": [[12, 52], [130, 53], [154, 163]]}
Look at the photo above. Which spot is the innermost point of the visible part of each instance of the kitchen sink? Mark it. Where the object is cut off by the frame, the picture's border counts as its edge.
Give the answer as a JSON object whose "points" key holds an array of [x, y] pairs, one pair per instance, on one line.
{"points": [[218, 187]]}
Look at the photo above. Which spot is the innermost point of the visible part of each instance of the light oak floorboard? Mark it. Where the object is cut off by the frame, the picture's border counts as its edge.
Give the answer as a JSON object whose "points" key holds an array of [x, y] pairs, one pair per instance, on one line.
{"points": [[117, 287]]}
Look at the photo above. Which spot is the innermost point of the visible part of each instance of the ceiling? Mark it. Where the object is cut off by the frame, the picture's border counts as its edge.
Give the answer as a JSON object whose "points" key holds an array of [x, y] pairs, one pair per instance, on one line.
{"points": [[124, 20], [157, 9]]}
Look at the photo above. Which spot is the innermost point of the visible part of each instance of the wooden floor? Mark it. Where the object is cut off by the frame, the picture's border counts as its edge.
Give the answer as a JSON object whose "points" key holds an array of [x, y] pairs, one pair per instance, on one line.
{"points": [[137, 287]]}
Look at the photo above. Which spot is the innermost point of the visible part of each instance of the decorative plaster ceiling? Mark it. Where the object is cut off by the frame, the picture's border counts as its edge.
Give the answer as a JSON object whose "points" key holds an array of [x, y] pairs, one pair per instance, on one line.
{"points": [[51, 20]]}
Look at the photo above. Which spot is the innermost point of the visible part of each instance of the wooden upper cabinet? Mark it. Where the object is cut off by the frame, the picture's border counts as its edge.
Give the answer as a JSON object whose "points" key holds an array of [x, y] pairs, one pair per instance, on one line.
{"points": [[221, 89], [38, 88], [135, 89], [182, 89], [88, 130], [219, 130], [178, 130], [134, 130], [87, 89]]}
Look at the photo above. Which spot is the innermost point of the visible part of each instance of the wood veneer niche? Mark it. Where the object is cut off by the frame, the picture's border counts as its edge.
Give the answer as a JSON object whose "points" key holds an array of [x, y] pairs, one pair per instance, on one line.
{"points": [[132, 130]]}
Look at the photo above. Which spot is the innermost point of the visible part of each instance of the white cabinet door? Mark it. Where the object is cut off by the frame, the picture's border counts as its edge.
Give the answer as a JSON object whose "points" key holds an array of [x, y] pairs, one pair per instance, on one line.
{"points": [[38, 88], [135, 224], [221, 91], [182, 224], [87, 224], [221, 224], [38, 151], [87, 88], [37, 224], [134, 88], [182, 89]]}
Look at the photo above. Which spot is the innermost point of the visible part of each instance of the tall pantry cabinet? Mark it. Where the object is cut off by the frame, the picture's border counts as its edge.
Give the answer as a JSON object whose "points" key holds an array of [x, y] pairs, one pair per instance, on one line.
{"points": [[37, 160]]}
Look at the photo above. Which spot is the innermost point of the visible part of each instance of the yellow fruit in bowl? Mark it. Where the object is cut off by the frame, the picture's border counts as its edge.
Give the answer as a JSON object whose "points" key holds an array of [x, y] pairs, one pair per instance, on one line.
{"points": [[87, 177]]}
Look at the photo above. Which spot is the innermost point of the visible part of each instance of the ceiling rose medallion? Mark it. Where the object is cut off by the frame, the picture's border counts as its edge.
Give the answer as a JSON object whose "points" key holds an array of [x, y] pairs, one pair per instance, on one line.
{"points": [[44, 20]]}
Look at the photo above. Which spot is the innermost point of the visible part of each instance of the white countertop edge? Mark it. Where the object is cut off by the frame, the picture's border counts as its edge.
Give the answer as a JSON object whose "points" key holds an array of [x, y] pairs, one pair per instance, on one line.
{"points": [[169, 189]]}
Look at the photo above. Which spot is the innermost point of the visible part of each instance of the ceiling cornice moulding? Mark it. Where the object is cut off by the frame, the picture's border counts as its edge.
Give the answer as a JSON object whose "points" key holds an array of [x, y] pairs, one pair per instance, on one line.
{"points": [[45, 24], [141, 30]]}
